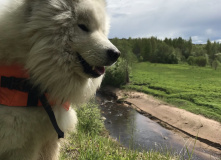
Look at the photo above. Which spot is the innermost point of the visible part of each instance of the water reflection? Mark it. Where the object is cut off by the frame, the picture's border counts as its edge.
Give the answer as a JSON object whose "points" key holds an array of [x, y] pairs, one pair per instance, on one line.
{"points": [[136, 131]]}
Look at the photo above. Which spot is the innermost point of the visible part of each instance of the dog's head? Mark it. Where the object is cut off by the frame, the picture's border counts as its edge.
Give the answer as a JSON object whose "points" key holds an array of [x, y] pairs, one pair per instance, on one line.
{"points": [[69, 42], [89, 38], [80, 27]]}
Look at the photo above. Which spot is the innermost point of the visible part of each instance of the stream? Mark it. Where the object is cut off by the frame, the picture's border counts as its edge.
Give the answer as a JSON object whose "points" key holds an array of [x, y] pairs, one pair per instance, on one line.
{"points": [[138, 132]]}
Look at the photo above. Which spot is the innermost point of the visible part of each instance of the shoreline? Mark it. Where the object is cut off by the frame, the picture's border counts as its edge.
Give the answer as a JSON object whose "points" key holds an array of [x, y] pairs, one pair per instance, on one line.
{"points": [[186, 123]]}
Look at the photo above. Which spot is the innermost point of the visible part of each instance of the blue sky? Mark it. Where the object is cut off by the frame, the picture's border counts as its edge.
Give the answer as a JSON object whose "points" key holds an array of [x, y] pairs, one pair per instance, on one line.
{"points": [[198, 19]]}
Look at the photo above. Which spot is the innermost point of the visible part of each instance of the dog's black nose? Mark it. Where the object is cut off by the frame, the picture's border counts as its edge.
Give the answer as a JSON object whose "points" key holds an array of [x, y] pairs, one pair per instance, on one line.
{"points": [[113, 54]]}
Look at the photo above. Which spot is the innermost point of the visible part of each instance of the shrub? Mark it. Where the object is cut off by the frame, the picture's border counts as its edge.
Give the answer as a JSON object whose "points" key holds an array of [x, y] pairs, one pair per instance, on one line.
{"points": [[191, 60], [116, 75], [201, 61], [165, 54]]}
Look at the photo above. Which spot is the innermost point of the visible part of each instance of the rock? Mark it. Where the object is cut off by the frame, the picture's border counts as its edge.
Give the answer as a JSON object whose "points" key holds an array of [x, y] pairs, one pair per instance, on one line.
{"points": [[119, 115], [103, 118], [166, 138]]}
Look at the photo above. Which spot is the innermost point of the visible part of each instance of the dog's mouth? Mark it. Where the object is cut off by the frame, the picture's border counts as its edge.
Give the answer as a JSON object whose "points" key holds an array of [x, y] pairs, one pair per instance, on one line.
{"points": [[94, 71]]}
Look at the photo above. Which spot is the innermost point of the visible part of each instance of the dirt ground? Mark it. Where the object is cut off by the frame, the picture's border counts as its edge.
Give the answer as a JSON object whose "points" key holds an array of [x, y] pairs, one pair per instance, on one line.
{"points": [[207, 130]]}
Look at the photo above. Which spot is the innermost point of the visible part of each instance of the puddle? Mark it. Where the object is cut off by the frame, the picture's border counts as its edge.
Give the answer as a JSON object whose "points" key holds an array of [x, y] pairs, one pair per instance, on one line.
{"points": [[138, 132]]}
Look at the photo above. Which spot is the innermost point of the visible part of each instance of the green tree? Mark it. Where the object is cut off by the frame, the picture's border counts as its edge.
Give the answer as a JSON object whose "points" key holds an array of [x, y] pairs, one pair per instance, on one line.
{"points": [[153, 44], [136, 48], [154, 49], [165, 54], [198, 50], [188, 48], [147, 50], [219, 47], [208, 48], [215, 48]]}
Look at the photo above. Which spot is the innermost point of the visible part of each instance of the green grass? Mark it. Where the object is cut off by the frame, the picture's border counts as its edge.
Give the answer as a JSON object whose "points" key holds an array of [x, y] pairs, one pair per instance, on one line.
{"points": [[82, 146], [196, 89], [92, 142]]}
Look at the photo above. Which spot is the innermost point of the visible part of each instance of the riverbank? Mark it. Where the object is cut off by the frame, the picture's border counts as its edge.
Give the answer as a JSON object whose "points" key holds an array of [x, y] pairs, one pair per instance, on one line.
{"points": [[207, 131], [92, 141]]}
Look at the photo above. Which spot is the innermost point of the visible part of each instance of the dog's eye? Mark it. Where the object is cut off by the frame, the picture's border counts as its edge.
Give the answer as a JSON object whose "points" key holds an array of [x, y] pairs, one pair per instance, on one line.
{"points": [[83, 27]]}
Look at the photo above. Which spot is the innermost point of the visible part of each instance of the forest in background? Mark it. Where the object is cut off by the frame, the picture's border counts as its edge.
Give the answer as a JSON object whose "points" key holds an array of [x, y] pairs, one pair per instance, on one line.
{"points": [[169, 51], [154, 50]]}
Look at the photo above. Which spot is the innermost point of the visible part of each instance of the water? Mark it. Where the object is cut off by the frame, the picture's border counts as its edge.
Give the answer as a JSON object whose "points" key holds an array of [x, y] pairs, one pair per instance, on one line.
{"points": [[136, 131]]}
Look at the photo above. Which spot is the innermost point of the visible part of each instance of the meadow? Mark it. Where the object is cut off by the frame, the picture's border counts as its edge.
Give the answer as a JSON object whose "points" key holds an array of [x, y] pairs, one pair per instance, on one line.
{"points": [[196, 89]]}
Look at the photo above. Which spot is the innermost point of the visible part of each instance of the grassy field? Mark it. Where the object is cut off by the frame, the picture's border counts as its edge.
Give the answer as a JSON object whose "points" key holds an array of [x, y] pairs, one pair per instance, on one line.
{"points": [[196, 89]]}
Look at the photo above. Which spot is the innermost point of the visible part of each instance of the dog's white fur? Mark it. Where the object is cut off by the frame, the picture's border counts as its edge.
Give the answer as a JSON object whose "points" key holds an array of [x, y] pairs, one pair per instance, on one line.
{"points": [[44, 37]]}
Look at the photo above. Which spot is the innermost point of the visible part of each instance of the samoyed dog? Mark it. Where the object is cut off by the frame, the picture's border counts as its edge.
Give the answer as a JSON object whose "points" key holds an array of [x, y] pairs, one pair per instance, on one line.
{"points": [[61, 48]]}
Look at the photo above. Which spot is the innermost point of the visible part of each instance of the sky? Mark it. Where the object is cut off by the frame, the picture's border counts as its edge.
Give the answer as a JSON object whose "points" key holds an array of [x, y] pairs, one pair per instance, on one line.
{"points": [[198, 19]]}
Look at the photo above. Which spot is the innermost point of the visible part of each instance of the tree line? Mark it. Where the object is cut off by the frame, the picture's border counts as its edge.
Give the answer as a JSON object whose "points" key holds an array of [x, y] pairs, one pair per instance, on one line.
{"points": [[170, 51]]}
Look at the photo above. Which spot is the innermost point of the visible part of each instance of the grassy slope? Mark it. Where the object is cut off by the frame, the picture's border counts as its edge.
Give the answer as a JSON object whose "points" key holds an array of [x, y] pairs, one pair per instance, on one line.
{"points": [[195, 89], [83, 146], [91, 142]]}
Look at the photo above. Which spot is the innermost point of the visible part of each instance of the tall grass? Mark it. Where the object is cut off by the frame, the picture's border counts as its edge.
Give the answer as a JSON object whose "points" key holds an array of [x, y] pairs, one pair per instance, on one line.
{"points": [[92, 142], [89, 119]]}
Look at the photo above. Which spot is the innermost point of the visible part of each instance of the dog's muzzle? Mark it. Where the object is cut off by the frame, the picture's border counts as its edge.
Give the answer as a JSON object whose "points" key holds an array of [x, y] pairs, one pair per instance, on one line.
{"points": [[96, 71]]}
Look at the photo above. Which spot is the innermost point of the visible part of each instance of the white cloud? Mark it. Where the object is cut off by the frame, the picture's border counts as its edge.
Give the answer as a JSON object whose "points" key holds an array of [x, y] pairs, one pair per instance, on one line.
{"points": [[165, 18]]}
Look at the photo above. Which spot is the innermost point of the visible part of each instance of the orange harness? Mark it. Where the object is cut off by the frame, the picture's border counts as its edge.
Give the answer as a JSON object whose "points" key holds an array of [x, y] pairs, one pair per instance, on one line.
{"points": [[13, 97], [14, 91]]}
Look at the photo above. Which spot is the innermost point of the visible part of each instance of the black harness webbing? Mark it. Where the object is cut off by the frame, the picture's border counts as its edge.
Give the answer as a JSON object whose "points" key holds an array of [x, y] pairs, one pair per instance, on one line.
{"points": [[51, 115], [34, 95]]}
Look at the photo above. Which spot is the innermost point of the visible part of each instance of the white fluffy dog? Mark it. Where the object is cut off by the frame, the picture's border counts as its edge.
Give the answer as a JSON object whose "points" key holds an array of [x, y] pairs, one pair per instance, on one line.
{"points": [[63, 46]]}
